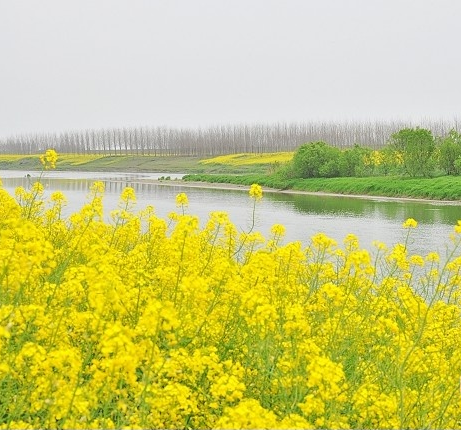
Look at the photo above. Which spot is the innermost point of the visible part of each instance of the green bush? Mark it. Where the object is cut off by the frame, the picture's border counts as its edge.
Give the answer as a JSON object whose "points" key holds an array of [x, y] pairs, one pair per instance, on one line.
{"points": [[449, 152], [352, 162], [417, 148], [316, 160]]}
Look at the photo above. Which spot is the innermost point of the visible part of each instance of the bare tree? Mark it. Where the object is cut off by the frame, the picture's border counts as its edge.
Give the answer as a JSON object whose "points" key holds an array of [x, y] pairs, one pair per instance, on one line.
{"points": [[219, 139]]}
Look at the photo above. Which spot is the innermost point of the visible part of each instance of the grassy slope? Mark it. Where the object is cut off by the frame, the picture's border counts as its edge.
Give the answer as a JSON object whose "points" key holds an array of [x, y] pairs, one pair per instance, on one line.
{"points": [[441, 188]]}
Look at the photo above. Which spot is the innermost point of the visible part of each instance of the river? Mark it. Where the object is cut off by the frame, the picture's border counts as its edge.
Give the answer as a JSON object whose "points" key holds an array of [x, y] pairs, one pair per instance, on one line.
{"points": [[303, 215]]}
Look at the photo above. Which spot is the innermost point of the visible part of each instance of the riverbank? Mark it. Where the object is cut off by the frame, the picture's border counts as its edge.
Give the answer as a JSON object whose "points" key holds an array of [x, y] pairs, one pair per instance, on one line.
{"points": [[250, 169], [229, 186], [444, 188]]}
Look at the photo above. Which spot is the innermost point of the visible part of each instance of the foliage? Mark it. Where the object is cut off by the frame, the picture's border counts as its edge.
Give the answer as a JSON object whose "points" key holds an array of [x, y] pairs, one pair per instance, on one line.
{"points": [[353, 162], [143, 322], [450, 153], [316, 160], [417, 147], [390, 161]]}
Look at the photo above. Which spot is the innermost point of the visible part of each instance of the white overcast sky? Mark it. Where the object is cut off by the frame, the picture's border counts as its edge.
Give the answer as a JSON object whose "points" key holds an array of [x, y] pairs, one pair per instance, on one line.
{"points": [[78, 64]]}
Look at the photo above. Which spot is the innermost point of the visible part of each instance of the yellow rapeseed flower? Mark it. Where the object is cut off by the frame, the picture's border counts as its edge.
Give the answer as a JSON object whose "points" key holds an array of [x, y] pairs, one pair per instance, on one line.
{"points": [[49, 159], [417, 260], [410, 223], [379, 245], [321, 240], [278, 230], [157, 324], [58, 197], [458, 227], [256, 192], [128, 195], [433, 257], [182, 200], [97, 187]]}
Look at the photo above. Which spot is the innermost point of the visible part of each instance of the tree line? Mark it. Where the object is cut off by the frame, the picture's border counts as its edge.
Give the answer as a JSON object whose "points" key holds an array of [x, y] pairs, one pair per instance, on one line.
{"points": [[411, 151], [216, 140]]}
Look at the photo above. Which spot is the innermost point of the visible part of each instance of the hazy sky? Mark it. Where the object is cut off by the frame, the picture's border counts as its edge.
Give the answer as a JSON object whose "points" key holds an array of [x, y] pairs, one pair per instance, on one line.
{"points": [[77, 64]]}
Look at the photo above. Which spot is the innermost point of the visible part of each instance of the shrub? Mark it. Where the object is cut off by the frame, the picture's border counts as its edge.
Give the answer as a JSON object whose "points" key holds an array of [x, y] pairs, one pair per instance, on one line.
{"points": [[316, 160], [417, 147], [450, 153], [353, 162]]}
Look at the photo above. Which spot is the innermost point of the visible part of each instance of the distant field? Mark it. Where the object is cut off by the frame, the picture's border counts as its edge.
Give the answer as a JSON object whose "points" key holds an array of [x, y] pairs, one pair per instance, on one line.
{"points": [[245, 159], [230, 164]]}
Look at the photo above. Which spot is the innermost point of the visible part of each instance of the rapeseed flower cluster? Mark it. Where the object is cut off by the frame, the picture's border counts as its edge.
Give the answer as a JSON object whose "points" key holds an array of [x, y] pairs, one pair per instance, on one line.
{"points": [[256, 192], [410, 223], [250, 158], [151, 323], [49, 159]]}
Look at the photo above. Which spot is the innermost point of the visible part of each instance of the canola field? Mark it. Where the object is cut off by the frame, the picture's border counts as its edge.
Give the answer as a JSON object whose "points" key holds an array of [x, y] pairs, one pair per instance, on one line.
{"points": [[143, 322], [250, 158]]}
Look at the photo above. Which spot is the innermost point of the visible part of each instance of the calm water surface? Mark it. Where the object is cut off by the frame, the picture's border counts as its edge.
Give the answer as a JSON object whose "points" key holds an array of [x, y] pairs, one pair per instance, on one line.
{"points": [[303, 215]]}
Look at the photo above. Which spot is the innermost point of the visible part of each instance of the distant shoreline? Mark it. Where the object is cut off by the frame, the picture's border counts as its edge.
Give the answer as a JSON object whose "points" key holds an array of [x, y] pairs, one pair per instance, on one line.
{"points": [[239, 187]]}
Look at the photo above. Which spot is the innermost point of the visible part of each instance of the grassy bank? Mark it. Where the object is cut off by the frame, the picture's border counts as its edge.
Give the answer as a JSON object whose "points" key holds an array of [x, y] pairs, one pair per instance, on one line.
{"points": [[441, 188], [232, 164], [142, 163]]}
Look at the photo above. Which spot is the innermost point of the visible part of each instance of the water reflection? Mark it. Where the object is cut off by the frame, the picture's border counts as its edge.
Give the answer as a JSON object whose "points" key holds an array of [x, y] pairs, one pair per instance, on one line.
{"points": [[424, 212]]}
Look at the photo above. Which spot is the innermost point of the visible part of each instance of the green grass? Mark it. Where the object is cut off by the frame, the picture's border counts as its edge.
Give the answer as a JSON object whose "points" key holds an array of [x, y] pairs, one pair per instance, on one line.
{"points": [[8, 162], [440, 188]]}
